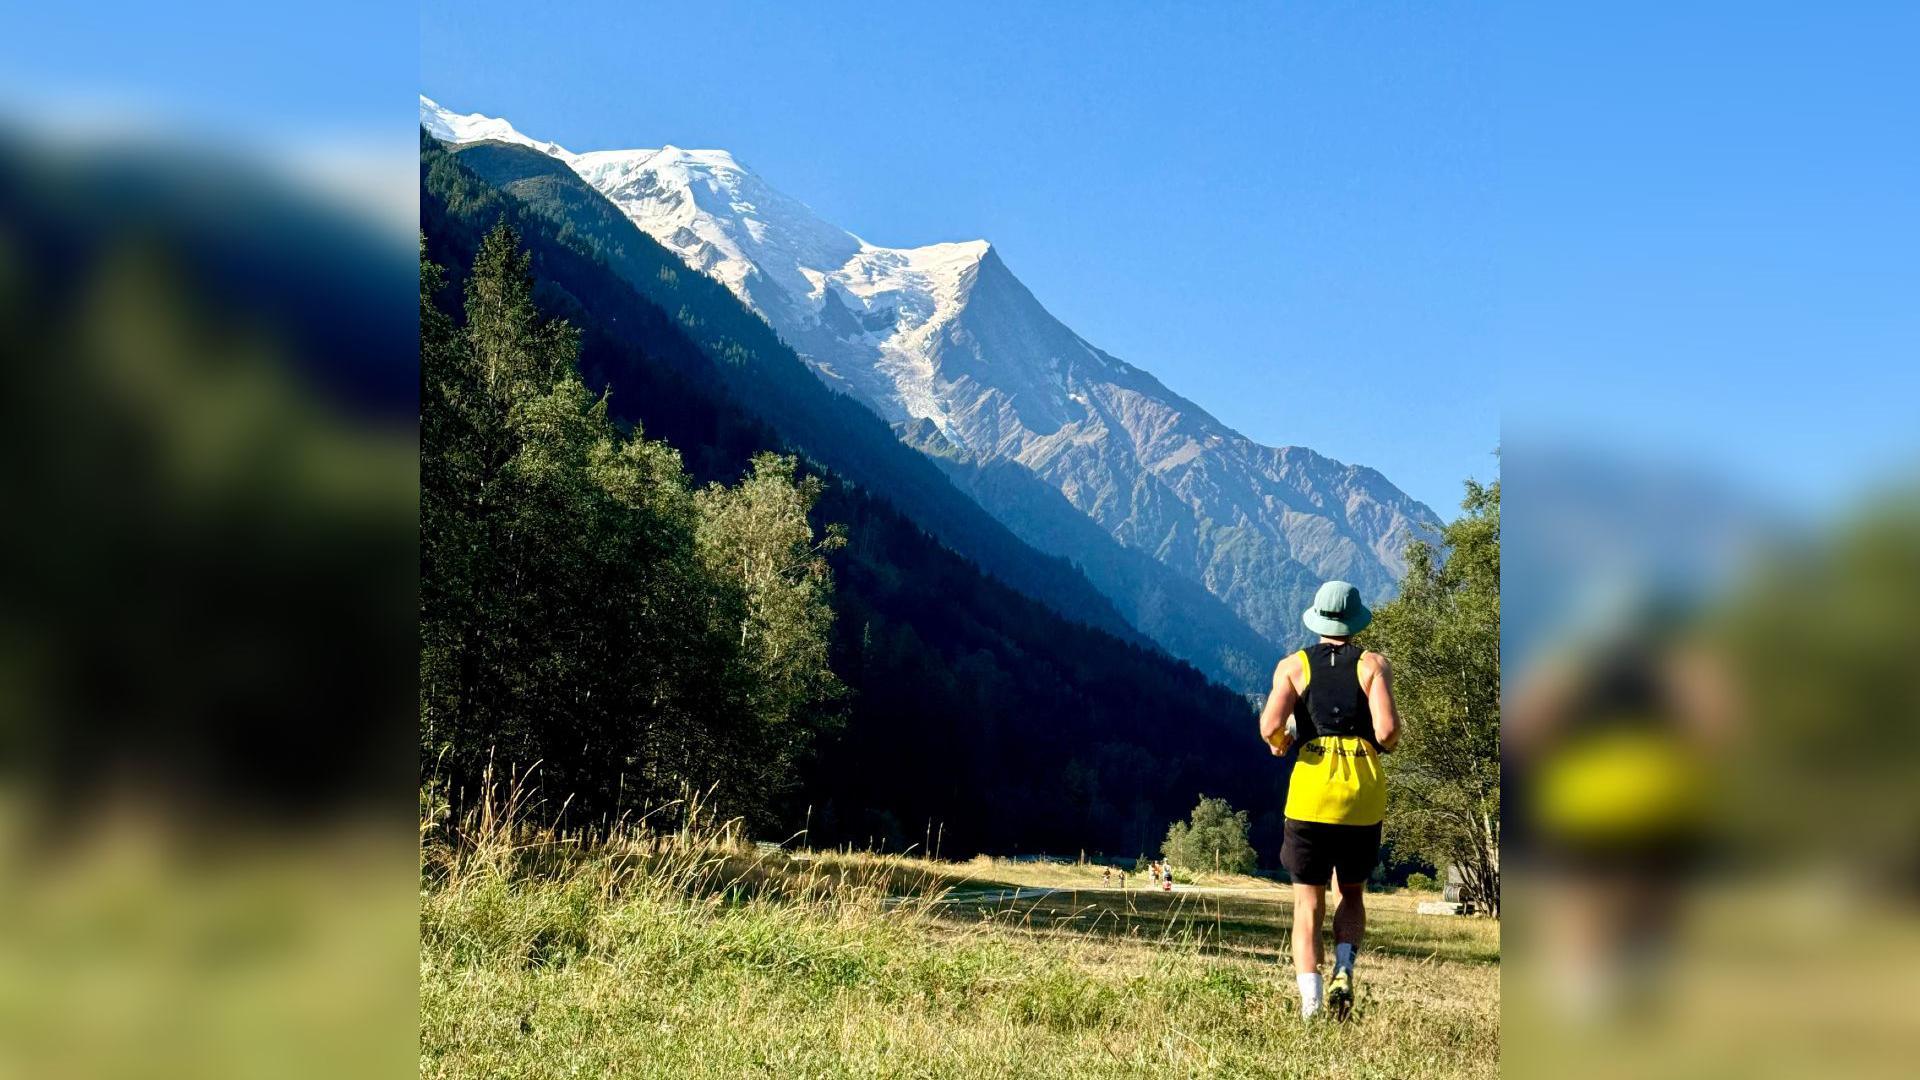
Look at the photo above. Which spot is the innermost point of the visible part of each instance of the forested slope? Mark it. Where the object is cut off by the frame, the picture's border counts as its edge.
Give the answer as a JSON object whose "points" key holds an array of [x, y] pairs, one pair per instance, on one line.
{"points": [[970, 705]]}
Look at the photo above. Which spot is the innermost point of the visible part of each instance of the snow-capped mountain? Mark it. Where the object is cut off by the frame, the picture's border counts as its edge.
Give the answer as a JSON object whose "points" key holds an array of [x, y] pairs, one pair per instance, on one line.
{"points": [[822, 287], [448, 126], [948, 345]]}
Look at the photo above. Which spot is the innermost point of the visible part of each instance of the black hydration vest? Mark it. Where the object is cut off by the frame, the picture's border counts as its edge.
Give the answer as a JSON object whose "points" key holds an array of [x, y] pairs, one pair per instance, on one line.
{"points": [[1333, 702]]}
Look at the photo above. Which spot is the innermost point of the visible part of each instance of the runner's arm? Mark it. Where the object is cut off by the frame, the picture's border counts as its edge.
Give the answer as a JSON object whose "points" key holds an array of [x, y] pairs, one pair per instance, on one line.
{"points": [[1279, 708], [1386, 721]]}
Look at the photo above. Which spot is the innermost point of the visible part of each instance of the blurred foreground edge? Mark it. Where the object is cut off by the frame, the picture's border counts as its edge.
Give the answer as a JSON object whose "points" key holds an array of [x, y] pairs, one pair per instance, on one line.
{"points": [[207, 644], [1712, 739]]}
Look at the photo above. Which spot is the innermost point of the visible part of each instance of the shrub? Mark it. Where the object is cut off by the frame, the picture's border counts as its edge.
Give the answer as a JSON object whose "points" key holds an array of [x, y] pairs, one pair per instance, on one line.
{"points": [[1215, 839]]}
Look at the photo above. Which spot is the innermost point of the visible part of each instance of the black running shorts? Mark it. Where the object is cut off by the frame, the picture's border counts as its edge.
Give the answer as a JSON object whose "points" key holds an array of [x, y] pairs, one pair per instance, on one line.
{"points": [[1313, 852]]}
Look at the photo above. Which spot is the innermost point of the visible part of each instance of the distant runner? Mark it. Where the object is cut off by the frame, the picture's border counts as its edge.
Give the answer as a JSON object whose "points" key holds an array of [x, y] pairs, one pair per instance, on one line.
{"points": [[1336, 702]]}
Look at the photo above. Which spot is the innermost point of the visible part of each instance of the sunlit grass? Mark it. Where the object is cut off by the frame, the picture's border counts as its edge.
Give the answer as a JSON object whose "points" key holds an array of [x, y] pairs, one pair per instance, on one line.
{"points": [[688, 953]]}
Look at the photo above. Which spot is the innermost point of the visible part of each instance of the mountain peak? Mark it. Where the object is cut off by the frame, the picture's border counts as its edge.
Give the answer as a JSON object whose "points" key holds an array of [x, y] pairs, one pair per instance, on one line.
{"points": [[452, 127], [670, 152], [951, 255]]}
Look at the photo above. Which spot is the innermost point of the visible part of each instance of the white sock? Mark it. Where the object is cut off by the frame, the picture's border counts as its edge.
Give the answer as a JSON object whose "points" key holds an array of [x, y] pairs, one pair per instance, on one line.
{"points": [[1343, 958], [1309, 993]]}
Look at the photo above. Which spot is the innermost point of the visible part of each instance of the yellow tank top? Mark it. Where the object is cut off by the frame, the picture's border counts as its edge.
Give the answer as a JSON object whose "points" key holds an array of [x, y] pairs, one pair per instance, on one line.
{"points": [[1627, 784], [1336, 779]]}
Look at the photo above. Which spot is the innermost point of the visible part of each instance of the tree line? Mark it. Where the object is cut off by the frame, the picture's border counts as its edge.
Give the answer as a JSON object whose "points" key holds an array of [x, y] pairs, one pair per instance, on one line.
{"points": [[585, 606]]}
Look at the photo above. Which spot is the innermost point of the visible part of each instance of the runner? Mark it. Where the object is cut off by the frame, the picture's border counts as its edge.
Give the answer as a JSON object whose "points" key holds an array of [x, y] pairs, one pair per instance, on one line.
{"points": [[1336, 702], [1615, 737]]}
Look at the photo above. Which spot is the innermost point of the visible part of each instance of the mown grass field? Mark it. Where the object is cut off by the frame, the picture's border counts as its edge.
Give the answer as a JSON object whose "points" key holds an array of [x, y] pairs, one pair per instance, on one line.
{"points": [[685, 955]]}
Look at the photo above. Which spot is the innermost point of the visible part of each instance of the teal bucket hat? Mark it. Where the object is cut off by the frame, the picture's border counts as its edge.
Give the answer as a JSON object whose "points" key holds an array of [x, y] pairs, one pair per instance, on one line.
{"points": [[1337, 611]]}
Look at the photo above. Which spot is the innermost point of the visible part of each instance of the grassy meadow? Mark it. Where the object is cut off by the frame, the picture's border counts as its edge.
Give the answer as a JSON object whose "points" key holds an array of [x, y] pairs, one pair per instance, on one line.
{"points": [[689, 953]]}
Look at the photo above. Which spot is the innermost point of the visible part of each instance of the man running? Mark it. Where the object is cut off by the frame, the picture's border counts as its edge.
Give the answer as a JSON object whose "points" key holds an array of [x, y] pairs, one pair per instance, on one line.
{"points": [[1336, 702]]}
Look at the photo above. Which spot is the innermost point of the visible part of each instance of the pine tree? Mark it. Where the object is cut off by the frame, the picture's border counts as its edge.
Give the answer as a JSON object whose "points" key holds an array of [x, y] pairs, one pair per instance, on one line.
{"points": [[581, 607]]}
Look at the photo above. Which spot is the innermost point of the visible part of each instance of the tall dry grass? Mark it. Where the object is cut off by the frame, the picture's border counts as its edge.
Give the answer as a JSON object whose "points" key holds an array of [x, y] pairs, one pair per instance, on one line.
{"points": [[683, 950]]}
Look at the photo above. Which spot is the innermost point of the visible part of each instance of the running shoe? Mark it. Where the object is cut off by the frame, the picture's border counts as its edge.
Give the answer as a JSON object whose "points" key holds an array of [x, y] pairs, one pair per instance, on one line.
{"points": [[1340, 995]]}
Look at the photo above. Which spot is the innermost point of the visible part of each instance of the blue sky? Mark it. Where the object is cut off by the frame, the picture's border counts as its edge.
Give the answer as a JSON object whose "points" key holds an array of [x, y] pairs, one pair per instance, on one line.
{"points": [[1383, 232], [1280, 215], [249, 73], [1707, 237]]}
